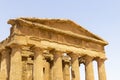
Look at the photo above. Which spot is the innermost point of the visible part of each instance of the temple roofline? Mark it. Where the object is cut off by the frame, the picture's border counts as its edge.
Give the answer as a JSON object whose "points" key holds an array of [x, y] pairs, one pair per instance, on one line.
{"points": [[22, 21]]}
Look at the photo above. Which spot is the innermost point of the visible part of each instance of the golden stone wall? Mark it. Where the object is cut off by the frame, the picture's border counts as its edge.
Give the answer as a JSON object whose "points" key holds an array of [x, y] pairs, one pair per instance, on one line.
{"points": [[50, 49]]}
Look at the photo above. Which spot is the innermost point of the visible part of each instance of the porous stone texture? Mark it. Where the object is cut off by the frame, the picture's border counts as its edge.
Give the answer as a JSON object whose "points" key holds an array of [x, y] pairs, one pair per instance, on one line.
{"points": [[50, 49]]}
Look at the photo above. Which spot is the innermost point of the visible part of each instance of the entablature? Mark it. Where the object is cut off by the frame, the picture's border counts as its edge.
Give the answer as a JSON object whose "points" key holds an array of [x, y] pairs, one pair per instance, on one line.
{"points": [[47, 44]]}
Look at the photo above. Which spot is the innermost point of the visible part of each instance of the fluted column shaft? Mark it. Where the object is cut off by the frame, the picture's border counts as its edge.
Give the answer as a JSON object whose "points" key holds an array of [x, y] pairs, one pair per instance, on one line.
{"points": [[16, 63], [101, 69], [75, 67], [57, 71], [47, 71], [66, 71], [89, 68], [38, 64], [5, 63]]}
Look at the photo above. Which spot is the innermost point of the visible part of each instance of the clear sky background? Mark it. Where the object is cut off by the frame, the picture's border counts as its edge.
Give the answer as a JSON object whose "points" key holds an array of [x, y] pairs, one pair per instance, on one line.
{"points": [[101, 17]]}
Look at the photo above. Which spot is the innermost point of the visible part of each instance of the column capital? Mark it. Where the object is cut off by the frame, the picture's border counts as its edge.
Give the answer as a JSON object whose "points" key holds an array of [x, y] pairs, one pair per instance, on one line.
{"points": [[73, 56], [37, 49], [100, 60], [57, 53], [88, 59], [5, 50]]}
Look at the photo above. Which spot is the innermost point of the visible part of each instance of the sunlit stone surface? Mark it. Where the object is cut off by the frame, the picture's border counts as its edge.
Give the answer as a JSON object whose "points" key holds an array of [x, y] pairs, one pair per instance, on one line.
{"points": [[50, 49]]}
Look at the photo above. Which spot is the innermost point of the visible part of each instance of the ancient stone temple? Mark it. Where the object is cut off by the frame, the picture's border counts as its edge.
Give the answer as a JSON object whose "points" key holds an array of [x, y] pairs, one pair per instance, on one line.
{"points": [[50, 49]]}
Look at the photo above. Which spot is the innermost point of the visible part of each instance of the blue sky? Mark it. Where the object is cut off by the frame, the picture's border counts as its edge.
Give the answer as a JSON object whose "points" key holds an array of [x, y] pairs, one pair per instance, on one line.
{"points": [[98, 16]]}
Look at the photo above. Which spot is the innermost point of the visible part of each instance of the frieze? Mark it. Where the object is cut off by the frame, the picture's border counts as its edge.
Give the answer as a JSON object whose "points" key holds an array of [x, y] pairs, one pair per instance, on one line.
{"points": [[57, 37]]}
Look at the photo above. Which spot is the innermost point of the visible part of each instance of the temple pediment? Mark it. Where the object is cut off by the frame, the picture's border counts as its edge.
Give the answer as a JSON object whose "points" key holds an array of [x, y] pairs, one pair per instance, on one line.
{"points": [[60, 25], [57, 31]]}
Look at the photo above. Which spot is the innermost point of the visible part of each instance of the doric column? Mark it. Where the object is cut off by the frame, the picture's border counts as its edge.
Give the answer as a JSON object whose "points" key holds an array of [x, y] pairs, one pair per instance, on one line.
{"points": [[101, 69], [75, 67], [57, 71], [51, 61], [5, 63], [47, 71], [15, 63], [66, 71], [38, 64], [89, 68]]}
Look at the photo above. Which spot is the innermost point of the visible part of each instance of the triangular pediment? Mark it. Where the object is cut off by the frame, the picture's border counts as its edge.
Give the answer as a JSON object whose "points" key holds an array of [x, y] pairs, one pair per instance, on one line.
{"points": [[62, 24]]}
